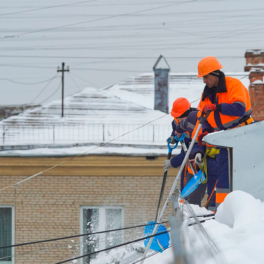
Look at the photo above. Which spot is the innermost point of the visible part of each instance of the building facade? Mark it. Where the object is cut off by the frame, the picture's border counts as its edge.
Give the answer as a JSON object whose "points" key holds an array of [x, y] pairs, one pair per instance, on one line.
{"points": [[86, 194]]}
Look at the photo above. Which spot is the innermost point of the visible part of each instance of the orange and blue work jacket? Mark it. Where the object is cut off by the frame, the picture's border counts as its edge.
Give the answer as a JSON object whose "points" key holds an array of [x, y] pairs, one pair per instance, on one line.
{"points": [[232, 104], [189, 126]]}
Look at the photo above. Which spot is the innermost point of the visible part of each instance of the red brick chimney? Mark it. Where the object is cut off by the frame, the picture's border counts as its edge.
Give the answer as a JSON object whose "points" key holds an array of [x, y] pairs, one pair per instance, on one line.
{"points": [[254, 59], [256, 93]]}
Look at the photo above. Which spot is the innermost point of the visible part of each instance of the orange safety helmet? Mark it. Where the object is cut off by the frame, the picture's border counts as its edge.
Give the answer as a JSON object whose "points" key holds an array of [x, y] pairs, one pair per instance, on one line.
{"points": [[207, 65], [180, 106]]}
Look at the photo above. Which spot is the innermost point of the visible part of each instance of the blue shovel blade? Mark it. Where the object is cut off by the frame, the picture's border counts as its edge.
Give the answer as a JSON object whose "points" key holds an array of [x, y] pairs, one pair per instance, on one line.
{"points": [[193, 184], [159, 243]]}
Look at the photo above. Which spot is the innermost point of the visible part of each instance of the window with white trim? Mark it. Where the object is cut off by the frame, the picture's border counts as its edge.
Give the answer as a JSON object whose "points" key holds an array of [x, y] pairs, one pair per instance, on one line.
{"points": [[95, 219], [6, 234]]}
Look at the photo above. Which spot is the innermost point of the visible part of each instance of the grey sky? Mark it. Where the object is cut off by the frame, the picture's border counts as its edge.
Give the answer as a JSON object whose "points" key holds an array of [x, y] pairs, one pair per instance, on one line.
{"points": [[106, 41]]}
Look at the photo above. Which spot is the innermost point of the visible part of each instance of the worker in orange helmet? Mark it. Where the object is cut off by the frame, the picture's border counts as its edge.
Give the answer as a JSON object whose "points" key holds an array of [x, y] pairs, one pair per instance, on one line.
{"points": [[228, 100], [185, 119]]}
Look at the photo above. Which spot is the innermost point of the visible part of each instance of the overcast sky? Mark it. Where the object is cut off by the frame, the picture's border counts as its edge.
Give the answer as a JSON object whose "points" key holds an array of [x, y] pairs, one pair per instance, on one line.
{"points": [[106, 41]]}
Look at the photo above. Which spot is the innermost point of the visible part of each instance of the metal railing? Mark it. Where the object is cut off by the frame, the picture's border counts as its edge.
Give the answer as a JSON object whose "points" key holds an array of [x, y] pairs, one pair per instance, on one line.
{"points": [[13, 134]]}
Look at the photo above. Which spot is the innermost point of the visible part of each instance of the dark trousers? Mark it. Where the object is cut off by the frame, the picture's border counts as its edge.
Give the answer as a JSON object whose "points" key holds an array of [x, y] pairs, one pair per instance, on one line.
{"points": [[222, 186], [211, 180]]}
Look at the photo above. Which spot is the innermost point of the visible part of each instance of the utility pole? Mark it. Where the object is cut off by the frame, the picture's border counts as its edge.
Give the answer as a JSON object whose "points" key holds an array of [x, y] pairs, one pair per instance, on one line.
{"points": [[62, 70]]}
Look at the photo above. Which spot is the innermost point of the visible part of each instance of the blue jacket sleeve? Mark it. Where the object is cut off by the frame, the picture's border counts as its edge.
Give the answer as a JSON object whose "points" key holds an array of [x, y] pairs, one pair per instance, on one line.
{"points": [[173, 128], [235, 109], [177, 160], [207, 127]]}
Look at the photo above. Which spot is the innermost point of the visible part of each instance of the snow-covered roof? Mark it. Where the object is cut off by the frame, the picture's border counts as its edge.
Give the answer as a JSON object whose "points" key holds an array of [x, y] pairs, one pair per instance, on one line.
{"points": [[88, 106], [255, 51], [130, 101], [140, 89], [103, 115], [257, 82]]}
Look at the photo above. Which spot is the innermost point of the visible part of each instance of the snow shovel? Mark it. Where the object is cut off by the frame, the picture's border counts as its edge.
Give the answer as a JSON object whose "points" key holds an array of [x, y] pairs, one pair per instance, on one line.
{"points": [[159, 243], [174, 186], [193, 184], [170, 149], [163, 240]]}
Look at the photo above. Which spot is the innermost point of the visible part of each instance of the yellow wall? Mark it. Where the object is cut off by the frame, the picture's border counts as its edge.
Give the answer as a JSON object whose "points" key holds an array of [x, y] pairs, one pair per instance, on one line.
{"points": [[48, 205]]}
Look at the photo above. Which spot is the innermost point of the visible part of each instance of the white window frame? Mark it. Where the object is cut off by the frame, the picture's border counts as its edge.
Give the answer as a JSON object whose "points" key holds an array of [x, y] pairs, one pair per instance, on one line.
{"points": [[13, 233], [102, 244]]}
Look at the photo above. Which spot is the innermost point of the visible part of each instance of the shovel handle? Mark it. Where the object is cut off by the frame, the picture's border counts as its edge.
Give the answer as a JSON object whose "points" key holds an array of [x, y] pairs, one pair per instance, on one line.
{"points": [[204, 117]]}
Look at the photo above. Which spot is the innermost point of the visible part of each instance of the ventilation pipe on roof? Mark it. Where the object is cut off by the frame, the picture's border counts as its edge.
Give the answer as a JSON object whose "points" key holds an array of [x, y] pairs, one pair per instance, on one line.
{"points": [[161, 100]]}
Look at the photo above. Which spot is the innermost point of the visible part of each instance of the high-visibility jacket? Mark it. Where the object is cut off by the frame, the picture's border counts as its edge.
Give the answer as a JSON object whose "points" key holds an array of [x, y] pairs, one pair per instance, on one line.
{"points": [[233, 104], [189, 126]]}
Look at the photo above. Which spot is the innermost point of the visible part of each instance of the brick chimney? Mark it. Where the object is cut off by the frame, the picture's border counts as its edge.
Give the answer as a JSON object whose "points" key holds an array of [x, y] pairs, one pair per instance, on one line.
{"points": [[256, 93], [254, 59]]}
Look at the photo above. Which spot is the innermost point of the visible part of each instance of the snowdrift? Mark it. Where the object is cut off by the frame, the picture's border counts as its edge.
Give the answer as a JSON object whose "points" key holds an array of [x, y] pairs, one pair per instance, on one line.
{"points": [[238, 230]]}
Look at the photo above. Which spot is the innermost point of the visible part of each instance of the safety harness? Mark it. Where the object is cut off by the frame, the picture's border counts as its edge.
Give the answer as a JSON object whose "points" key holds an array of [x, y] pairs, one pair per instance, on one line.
{"points": [[210, 152]]}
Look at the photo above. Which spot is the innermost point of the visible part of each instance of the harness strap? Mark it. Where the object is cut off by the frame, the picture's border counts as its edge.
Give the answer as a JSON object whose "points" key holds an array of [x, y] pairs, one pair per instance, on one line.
{"points": [[210, 152]]}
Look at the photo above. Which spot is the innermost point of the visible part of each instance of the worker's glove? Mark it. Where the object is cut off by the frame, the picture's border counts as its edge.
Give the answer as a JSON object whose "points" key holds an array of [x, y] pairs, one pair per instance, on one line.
{"points": [[166, 164], [171, 140], [200, 138], [209, 107], [198, 159]]}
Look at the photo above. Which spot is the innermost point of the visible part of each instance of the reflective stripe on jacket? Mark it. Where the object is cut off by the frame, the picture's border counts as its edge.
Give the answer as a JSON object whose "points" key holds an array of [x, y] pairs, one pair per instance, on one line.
{"points": [[234, 101], [189, 126]]}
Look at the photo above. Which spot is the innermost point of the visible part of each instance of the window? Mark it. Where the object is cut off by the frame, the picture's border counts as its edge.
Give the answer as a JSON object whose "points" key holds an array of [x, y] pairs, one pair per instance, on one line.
{"points": [[95, 219], [6, 234]]}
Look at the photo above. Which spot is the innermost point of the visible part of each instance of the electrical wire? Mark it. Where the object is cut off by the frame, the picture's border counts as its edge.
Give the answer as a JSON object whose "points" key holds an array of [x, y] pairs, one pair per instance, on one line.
{"points": [[120, 245], [25, 66], [81, 235], [9, 80], [74, 82], [205, 40], [48, 7], [42, 90], [99, 19], [51, 94], [111, 58], [107, 70], [67, 243], [84, 79]]}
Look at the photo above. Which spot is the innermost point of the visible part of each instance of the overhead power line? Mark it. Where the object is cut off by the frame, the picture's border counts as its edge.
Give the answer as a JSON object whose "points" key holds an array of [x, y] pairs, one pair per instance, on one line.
{"points": [[44, 88], [84, 79], [47, 7], [110, 58], [99, 19], [120, 245], [13, 81], [80, 235], [77, 87], [51, 94], [109, 70]]}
